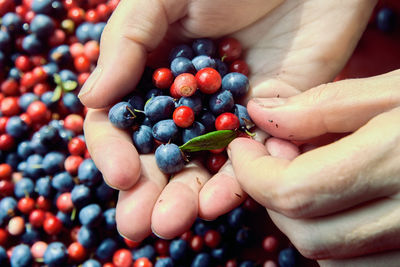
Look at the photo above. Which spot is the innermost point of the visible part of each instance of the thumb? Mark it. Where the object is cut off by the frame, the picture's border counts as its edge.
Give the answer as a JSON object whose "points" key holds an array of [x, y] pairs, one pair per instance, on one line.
{"points": [[337, 107], [135, 28]]}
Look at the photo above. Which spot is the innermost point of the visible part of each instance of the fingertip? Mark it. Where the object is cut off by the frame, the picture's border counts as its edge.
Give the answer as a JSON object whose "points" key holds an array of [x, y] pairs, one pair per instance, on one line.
{"points": [[280, 148]]}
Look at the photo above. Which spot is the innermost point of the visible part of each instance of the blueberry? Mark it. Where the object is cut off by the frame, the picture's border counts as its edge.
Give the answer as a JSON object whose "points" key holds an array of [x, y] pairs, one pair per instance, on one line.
{"points": [[60, 55], [246, 264], [32, 44], [16, 127], [42, 25], [181, 51], [72, 102], [65, 136], [80, 195], [8, 206], [21, 256], [55, 254], [34, 167], [146, 251], [193, 131], [159, 108], [3, 257], [49, 136], [122, 115], [26, 99], [3, 61], [12, 22], [236, 83], [287, 257], [181, 65], [221, 102], [50, 68], [62, 182], [24, 149], [88, 173], [136, 101], [221, 67], [5, 40], [87, 237], [178, 249], [143, 139], [90, 215], [202, 260], [41, 6], [58, 9], [12, 159], [165, 131], [194, 102], [91, 263], [201, 62], [24, 187], [65, 218], [43, 187], [236, 217], [220, 253], [14, 73], [200, 227], [164, 262], [244, 236], [386, 20], [67, 75], [97, 30], [83, 32], [106, 249], [153, 93], [203, 46], [208, 120], [104, 193], [53, 162], [31, 235], [169, 158], [241, 112], [109, 219]]}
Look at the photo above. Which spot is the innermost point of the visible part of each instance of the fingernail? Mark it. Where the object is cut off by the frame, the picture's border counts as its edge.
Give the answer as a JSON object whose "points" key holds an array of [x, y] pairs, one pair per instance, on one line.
{"points": [[270, 102], [90, 82]]}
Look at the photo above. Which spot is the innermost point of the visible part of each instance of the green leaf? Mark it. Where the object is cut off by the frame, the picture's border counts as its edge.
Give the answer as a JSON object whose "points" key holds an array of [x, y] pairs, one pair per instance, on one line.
{"points": [[57, 79], [208, 141], [69, 86], [56, 94]]}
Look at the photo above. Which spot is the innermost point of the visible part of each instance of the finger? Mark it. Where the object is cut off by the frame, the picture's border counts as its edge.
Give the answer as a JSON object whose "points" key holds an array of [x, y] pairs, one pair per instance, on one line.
{"points": [[134, 29], [112, 150], [176, 209], [134, 207], [338, 107], [220, 194], [326, 179], [387, 259], [365, 229]]}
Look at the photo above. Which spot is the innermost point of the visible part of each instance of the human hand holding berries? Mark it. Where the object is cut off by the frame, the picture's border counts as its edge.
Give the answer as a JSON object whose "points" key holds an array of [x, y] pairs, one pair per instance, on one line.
{"points": [[272, 71]]}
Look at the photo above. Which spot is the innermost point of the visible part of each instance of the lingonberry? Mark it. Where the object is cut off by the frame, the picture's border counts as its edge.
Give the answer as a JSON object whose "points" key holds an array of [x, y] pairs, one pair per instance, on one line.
{"points": [[196, 243], [6, 142], [23, 63], [227, 121], [9, 87], [64, 202], [239, 65], [216, 161], [143, 262], [26, 205], [37, 217], [76, 146], [183, 116], [5, 171], [9, 106], [270, 243], [122, 258], [76, 252], [82, 63], [208, 80], [52, 225], [185, 84], [163, 78], [212, 238], [71, 164], [37, 111], [229, 49]]}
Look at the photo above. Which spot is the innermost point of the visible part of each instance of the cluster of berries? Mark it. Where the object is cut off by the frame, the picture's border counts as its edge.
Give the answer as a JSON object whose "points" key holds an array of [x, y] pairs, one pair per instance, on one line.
{"points": [[190, 106]]}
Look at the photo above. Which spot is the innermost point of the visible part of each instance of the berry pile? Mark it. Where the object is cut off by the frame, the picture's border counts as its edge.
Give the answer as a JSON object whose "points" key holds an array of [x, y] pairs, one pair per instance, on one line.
{"points": [[55, 209], [189, 106]]}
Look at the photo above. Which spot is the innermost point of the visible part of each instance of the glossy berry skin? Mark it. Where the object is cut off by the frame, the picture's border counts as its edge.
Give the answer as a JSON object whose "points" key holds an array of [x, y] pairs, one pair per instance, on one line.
{"points": [[53, 162], [185, 84], [88, 173], [121, 115], [227, 121], [72, 102], [106, 249], [181, 51], [5, 171], [287, 257], [36, 218], [16, 127], [183, 116], [208, 80], [229, 49], [143, 139], [147, 251], [43, 187], [26, 205], [90, 215], [62, 182], [178, 249], [193, 131], [21, 256], [236, 217], [42, 25], [386, 20], [37, 111], [182, 65], [163, 78], [165, 131], [122, 258], [169, 158], [80, 195], [270, 244], [159, 108], [41, 6], [201, 62], [201, 260], [64, 202], [204, 46], [241, 112], [215, 161], [137, 102], [164, 262], [236, 83], [52, 225], [221, 102], [196, 243], [194, 102], [91, 263], [24, 187], [87, 237], [55, 255], [143, 262], [76, 252], [240, 66], [109, 219], [12, 22]]}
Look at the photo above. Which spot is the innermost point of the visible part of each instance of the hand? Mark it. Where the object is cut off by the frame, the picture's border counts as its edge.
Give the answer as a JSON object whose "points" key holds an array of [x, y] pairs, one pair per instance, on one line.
{"points": [[282, 53], [340, 200]]}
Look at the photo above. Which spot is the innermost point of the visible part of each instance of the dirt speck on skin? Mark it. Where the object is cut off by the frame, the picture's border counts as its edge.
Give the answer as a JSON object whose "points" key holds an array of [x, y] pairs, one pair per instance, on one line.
{"points": [[160, 201], [276, 125], [238, 195], [271, 121], [198, 180]]}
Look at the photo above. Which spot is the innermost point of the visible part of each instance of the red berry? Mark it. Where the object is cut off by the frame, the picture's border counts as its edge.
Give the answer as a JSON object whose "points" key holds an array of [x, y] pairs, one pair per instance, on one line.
{"points": [[37, 111], [122, 258], [9, 106], [37, 217], [38, 60], [23, 63], [162, 247], [185, 84], [108, 264], [163, 78], [187, 236], [76, 14], [43, 203], [6, 188], [76, 49], [212, 238], [28, 79], [52, 225], [82, 64], [3, 237], [208, 80], [16, 225], [227, 121], [183, 116], [57, 38], [130, 243], [21, 11], [71, 164], [216, 161], [5, 171], [74, 233], [240, 66], [41, 88], [6, 6], [103, 11], [196, 243], [270, 243], [38, 249], [91, 16], [231, 263], [76, 146], [26, 205], [76, 252], [229, 49], [6, 142], [92, 50], [64, 202], [39, 74], [3, 123], [74, 123], [143, 262], [173, 92], [10, 87], [82, 77]]}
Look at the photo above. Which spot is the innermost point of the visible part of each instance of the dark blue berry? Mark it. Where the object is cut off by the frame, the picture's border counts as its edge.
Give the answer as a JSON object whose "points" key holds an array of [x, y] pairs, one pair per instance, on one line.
{"points": [[181, 51], [90, 215], [202, 260], [178, 249], [41, 6], [72, 102], [26, 99], [159, 108], [32, 44], [221, 102], [181, 65], [21, 256], [24, 187], [208, 120], [24, 149], [88, 173], [42, 25], [203, 46], [164, 262], [83, 32], [4, 257], [201, 62], [236, 217], [104, 193], [55, 254], [165, 131], [169, 158], [109, 219], [241, 112], [80, 195], [67, 75], [146, 251], [236, 83], [106, 249], [5, 40], [287, 257], [62, 182], [43, 187], [91, 263], [386, 20], [136, 101], [193, 131], [153, 93], [246, 264], [31, 235], [60, 55], [194, 102], [12, 22], [65, 218], [143, 139], [97, 30], [122, 115], [87, 237], [16, 127], [53, 162]]}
